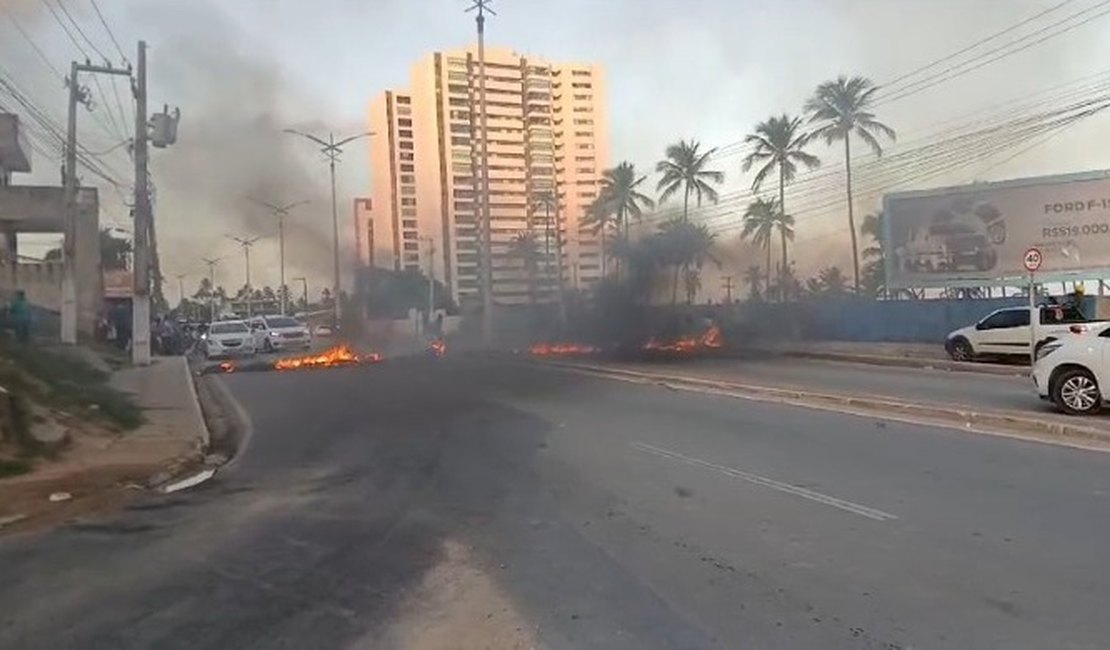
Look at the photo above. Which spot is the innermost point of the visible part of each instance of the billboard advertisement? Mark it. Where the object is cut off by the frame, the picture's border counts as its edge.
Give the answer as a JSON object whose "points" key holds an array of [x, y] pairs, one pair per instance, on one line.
{"points": [[978, 234]]}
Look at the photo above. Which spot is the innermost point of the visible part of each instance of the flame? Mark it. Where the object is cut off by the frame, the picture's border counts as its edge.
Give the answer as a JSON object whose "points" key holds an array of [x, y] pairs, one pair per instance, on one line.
{"points": [[712, 339], [562, 349], [438, 347], [226, 366], [340, 355]]}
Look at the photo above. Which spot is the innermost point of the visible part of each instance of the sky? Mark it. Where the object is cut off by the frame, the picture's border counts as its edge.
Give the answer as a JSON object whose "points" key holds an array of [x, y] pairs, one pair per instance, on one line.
{"points": [[243, 70]]}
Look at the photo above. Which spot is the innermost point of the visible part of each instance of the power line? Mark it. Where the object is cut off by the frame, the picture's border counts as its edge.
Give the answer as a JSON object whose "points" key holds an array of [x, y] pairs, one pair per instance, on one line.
{"points": [[61, 23], [80, 31], [111, 35], [27, 37]]}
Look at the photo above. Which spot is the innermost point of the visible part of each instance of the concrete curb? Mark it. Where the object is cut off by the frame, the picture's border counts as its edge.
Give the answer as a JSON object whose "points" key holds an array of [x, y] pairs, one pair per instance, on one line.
{"points": [[910, 362], [190, 379], [955, 416]]}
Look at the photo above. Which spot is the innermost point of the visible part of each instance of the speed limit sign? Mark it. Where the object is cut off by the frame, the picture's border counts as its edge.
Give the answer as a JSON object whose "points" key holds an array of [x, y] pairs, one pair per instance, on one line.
{"points": [[1033, 259]]}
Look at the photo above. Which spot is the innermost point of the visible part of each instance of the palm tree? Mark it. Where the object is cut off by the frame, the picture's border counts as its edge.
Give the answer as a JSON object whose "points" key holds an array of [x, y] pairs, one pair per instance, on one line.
{"points": [[599, 218], [619, 191], [832, 280], [691, 280], [760, 220], [841, 108], [874, 272], [779, 144], [684, 169], [525, 248], [753, 277], [684, 245]]}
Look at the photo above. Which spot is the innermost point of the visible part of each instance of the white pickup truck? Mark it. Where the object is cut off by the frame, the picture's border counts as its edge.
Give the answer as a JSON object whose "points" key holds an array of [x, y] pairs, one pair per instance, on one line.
{"points": [[1006, 331]]}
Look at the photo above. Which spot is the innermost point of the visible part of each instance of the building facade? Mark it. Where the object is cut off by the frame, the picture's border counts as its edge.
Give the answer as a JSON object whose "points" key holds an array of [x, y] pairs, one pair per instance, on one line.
{"points": [[548, 142]]}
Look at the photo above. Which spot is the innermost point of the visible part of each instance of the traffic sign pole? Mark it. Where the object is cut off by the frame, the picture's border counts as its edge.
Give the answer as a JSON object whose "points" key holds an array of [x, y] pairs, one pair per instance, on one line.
{"points": [[1032, 262]]}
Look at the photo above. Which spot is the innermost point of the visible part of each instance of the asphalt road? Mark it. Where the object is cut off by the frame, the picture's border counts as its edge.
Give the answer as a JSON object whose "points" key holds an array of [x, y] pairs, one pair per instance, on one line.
{"points": [[612, 515]]}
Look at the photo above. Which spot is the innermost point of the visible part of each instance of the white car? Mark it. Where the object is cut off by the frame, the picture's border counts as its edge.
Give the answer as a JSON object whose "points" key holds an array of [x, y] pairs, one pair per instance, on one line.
{"points": [[1006, 332], [1071, 371], [279, 333], [227, 339]]}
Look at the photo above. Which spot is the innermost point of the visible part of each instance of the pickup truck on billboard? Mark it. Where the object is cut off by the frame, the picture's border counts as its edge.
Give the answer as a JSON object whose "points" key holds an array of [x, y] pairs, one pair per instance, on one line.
{"points": [[979, 233]]}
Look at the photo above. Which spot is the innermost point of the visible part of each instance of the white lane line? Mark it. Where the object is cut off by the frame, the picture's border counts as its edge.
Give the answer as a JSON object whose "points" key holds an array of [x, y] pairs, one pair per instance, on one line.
{"points": [[826, 499]]}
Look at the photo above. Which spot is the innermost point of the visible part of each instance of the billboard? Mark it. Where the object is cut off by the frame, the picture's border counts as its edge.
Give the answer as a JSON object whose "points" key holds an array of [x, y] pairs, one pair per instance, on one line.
{"points": [[977, 234]]}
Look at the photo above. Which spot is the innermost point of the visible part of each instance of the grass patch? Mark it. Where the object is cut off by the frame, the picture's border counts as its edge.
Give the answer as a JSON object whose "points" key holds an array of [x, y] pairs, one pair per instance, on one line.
{"points": [[14, 467], [66, 382]]}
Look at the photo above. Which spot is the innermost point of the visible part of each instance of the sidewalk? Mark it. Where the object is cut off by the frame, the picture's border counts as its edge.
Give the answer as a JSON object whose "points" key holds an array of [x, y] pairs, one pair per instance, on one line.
{"points": [[906, 355], [100, 468]]}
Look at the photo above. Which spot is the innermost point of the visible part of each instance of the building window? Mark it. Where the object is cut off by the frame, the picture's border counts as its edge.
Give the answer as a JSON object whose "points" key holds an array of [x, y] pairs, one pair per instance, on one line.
{"points": [[584, 84], [457, 101], [407, 212], [460, 128], [408, 223], [404, 122], [460, 142], [583, 122], [409, 202], [403, 100], [455, 62], [461, 168], [410, 235], [456, 88], [585, 170], [583, 98], [405, 144], [580, 73], [408, 190], [411, 246], [407, 156], [405, 133], [464, 194], [404, 110], [464, 180], [463, 206], [587, 195], [460, 115], [583, 134], [582, 109], [405, 167], [584, 145], [458, 76], [407, 178]]}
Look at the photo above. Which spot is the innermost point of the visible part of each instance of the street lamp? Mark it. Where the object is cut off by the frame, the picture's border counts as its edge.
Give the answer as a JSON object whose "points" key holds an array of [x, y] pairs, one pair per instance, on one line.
{"points": [[246, 244], [332, 150], [281, 211]]}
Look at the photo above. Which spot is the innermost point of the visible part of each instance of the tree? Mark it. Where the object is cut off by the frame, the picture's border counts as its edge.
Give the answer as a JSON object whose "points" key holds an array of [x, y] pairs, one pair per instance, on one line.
{"points": [[760, 221], [842, 108], [691, 279], [599, 218], [620, 193], [525, 248], [325, 297], [753, 277], [683, 245], [873, 280], [832, 280], [779, 145], [684, 169]]}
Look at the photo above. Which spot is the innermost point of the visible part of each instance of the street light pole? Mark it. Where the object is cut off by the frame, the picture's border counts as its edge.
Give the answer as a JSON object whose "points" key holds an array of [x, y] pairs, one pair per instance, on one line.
{"points": [[246, 244], [282, 211], [332, 150], [211, 287], [482, 6]]}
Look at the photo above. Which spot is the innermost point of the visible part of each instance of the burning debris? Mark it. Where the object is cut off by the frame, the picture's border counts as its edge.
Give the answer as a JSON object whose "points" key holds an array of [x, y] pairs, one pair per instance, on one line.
{"points": [[340, 355], [437, 348], [562, 349], [712, 339]]}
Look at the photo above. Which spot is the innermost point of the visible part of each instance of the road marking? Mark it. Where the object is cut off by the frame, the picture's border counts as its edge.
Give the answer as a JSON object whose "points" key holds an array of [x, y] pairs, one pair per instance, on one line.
{"points": [[848, 506]]}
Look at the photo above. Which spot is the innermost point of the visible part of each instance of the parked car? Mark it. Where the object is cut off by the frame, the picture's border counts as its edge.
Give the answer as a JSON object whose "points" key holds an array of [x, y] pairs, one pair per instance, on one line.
{"points": [[227, 339], [279, 333], [1006, 332], [1072, 371]]}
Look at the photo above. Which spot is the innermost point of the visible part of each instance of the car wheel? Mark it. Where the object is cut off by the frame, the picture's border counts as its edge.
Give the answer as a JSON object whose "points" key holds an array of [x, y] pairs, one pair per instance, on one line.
{"points": [[1076, 392], [961, 350]]}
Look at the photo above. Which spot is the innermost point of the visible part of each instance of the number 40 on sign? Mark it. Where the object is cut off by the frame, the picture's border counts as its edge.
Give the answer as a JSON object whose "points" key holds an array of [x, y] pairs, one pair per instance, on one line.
{"points": [[1033, 259]]}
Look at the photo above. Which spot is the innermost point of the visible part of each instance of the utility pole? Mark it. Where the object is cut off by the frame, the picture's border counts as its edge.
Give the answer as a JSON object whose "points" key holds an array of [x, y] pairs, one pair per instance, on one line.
{"points": [[181, 288], [482, 6], [728, 289], [431, 276], [282, 211], [211, 287], [246, 244], [140, 299], [332, 150], [77, 95]]}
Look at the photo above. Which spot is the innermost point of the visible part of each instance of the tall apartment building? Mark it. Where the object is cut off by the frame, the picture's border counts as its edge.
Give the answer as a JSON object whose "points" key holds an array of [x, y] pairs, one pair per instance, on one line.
{"points": [[547, 134]]}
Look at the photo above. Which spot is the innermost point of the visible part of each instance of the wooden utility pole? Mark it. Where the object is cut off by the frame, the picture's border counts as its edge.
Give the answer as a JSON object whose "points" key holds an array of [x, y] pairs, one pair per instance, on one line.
{"points": [[140, 300], [486, 232]]}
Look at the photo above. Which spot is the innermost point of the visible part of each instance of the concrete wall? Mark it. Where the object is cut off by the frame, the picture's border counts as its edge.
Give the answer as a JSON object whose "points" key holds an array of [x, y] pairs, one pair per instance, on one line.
{"points": [[861, 319], [42, 282]]}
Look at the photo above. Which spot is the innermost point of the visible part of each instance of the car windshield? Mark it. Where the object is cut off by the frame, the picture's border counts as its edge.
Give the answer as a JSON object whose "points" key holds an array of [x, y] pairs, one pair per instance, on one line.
{"points": [[282, 321], [228, 328]]}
